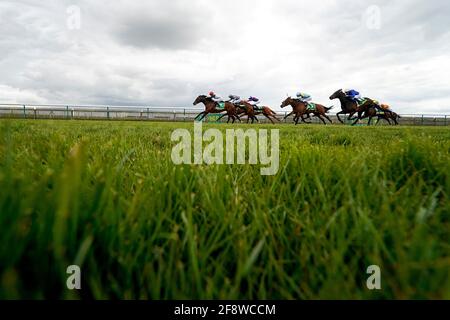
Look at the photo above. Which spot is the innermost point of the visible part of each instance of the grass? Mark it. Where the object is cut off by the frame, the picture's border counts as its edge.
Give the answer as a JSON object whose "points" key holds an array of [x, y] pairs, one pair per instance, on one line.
{"points": [[106, 196]]}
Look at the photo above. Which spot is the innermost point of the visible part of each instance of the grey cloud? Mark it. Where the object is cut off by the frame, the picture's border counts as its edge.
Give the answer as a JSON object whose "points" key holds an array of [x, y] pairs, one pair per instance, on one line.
{"points": [[168, 25], [257, 47], [159, 32]]}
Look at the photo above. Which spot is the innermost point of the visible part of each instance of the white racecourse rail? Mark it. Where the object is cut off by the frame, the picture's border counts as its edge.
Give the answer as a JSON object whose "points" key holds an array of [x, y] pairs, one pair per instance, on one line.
{"points": [[34, 111]]}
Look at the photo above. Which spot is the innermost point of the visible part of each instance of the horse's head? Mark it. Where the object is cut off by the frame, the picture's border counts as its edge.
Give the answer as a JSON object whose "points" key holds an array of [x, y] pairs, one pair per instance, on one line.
{"points": [[200, 99], [286, 102], [337, 95]]}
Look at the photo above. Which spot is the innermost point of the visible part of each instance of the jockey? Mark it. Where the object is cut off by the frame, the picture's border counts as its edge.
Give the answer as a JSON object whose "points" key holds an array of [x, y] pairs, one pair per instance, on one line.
{"points": [[382, 107], [234, 99], [303, 97], [306, 99], [385, 107], [352, 94], [215, 97], [220, 104], [253, 101]]}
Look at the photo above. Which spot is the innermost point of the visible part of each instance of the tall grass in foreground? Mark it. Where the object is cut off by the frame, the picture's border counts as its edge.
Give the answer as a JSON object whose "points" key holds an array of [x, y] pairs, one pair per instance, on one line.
{"points": [[106, 196]]}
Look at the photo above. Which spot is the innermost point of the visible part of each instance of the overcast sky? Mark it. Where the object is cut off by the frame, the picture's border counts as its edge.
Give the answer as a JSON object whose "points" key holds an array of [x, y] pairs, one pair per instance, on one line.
{"points": [[165, 53]]}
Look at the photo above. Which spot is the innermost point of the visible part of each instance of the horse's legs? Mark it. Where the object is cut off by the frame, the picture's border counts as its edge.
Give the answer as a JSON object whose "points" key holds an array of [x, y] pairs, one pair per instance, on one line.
{"points": [[370, 120], [274, 117], [304, 120], [201, 113], [205, 113], [358, 116], [328, 118], [318, 116], [288, 115], [269, 119], [339, 118], [225, 114], [356, 120], [366, 115], [351, 115]]}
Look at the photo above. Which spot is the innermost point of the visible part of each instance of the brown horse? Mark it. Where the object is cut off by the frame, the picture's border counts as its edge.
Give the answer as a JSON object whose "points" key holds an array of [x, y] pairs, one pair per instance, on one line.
{"points": [[393, 116], [389, 115], [372, 112], [251, 113], [299, 109], [351, 107], [211, 107], [375, 110]]}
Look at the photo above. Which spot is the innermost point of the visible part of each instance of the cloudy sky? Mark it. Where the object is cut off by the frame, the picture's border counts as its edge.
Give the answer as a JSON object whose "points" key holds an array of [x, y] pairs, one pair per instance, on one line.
{"points": [[165, 53]]}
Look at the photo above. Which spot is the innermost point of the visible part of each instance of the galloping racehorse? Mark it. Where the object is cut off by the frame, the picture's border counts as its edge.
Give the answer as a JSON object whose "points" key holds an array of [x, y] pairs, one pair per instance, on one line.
{"points": [[211, 107], [251, 113], [372, 112], [351, 107], [389, 115], [299, 109]]}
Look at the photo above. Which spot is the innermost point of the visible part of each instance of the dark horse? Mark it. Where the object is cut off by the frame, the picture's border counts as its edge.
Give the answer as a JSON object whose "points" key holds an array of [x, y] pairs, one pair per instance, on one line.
{"points": [[373, 112], [299, 109], [251, 113], [393, 116], [211, 107], [389, 115], [350, 107]]}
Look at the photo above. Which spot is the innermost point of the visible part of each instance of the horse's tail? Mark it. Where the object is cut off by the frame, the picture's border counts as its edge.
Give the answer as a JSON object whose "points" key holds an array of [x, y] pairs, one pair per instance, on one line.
{"points": [[327, 109]]}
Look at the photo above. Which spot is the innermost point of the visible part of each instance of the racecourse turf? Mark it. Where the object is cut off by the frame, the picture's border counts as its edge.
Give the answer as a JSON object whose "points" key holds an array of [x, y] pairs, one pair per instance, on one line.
{"points": [[107, 197]]}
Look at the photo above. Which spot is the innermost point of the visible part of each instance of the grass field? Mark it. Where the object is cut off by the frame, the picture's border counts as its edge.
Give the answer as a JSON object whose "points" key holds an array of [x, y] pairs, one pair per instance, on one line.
{"points": [[106, 196]]}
